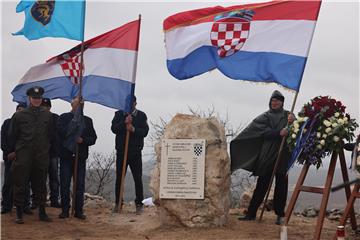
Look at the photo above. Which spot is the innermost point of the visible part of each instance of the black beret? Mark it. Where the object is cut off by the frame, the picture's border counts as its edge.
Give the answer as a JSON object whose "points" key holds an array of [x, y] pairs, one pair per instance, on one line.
{"points": [[35, 92]]}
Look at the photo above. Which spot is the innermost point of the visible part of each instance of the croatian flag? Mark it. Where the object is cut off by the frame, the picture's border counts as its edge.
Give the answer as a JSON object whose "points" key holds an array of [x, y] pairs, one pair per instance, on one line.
{"points": [[108, 74], [263, 42]]}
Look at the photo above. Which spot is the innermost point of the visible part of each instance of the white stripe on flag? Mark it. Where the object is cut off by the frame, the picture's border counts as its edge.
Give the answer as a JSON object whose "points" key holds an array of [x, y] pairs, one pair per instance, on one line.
{"points": [[106, 62], [281, 36]]}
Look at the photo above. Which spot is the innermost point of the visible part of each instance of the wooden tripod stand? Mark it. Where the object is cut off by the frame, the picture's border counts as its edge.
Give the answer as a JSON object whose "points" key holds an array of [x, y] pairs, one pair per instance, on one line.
{"points": [[325, 191]]}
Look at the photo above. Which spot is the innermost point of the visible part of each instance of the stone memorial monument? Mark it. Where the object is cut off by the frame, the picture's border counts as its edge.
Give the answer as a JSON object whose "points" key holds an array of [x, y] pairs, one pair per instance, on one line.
{"points": [[188, 207]]}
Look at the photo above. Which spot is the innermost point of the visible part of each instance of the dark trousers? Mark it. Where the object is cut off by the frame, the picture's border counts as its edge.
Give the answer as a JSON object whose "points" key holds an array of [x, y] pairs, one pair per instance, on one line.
{"points": [[7, 189], [280, 194], [31, 164], [66, 173], [54, 183], [135, 163]]}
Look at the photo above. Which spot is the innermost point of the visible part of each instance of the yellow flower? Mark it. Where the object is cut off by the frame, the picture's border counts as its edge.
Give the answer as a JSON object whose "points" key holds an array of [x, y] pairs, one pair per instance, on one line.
{"points": [[337, 114], [341, 121], [324, 135], [328, 130], [322, 142]]}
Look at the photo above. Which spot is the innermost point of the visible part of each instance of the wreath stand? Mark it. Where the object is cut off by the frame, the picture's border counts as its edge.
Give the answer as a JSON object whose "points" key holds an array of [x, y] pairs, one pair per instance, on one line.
{"points": [[325, 191]]}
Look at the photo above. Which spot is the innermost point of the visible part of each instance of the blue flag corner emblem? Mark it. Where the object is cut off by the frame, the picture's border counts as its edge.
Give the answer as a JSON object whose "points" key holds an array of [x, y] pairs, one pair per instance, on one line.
{"points": [[42, 11]]}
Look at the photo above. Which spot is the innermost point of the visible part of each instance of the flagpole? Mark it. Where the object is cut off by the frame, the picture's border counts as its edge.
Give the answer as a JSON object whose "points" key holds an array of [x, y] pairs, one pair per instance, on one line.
{"points": [[123, 169], [76, 162], [284, 137]]}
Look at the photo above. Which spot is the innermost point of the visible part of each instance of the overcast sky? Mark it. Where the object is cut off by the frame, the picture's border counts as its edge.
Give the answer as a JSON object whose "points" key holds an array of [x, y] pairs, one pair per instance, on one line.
{"points": [[332, 67]]}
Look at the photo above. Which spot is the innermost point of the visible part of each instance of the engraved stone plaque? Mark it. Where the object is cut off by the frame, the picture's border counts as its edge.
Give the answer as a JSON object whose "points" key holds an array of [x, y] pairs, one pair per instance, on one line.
{"points": [[182, 168]]}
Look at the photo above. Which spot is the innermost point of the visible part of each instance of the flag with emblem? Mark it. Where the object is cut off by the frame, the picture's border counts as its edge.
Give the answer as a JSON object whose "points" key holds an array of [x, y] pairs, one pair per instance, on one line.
{"points": [[108, 73], [62, 18], [261, 42]]}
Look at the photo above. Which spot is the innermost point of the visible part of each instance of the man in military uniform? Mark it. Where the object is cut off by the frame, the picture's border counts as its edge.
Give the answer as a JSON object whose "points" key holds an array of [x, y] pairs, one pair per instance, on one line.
{"points": [[136, 123], [8, 157], [31, 132]]}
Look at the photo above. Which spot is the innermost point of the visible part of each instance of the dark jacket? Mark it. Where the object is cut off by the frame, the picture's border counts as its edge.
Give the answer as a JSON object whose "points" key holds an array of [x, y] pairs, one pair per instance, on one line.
{"points": [[54, 147], [88, 135], [31, 128], [5, 143], [136, 141], [256, 148]]}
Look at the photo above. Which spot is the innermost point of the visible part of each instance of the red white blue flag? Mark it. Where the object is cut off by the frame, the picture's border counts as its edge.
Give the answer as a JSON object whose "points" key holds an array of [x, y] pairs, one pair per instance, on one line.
{"points": [[108, 73], [262, 42]]}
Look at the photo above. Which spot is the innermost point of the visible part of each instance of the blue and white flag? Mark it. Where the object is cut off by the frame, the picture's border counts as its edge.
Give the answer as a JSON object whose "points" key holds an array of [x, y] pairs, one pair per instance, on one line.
{"points": [[63, 19]]}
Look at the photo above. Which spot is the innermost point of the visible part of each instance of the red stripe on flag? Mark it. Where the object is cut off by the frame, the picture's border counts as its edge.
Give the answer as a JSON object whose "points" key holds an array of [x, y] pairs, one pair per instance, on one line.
{"points": [[274, 10]]}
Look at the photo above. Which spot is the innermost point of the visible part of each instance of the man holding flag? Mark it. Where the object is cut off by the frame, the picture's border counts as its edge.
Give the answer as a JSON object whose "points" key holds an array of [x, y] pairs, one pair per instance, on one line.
{"points": [[256, 148], [136, 124], [76, 134]]}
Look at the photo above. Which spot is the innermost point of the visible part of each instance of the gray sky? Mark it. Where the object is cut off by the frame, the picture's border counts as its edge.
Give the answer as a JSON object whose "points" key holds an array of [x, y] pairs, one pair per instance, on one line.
{"points": [[332, 67]]}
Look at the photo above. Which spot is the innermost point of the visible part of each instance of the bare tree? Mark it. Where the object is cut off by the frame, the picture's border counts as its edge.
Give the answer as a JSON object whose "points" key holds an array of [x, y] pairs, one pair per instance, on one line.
{"points": [[100, 173]]}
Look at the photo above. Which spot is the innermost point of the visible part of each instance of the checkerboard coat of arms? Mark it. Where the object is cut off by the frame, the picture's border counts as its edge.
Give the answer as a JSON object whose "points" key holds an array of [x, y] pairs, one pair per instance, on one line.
{"points": [[198, 149], [70, 64], [230, 31]]}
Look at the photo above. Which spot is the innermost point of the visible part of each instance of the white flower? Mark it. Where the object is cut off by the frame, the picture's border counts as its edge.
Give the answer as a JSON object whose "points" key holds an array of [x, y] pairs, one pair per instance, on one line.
{"points": [[327, 123], [318, 135], [300, 119], [293, 135], [296, 125], [306, 118], [337, 114], [296, 130], [334, 125], [336, 138], [319, 146], [328, 130], [322, 142], [324, 135], [345, 120], [341, 121]]}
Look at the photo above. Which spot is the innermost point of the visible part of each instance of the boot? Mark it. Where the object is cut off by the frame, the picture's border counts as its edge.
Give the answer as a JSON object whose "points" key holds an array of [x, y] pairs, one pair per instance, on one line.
{"points": [[19, 215], [116, 208], [42, 215], [64, 214]]}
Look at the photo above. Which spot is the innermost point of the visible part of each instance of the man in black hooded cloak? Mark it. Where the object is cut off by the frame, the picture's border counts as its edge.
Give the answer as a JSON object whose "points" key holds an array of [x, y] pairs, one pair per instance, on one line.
{"points": [[256, 149]]}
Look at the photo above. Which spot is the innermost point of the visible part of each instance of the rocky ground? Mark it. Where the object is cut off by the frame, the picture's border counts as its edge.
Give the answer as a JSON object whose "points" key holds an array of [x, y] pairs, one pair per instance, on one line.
{"points": [[101, 223]]}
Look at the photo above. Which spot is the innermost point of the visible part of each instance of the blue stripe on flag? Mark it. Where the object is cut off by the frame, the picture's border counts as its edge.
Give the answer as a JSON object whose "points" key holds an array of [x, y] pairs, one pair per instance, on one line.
{"points": [[110, 92], [283, 69]]}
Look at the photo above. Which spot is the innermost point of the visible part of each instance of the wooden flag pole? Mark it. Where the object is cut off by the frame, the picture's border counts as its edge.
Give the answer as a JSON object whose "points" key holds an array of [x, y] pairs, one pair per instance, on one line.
{"points": [[284, 138], [76, 162], [124, 165]]}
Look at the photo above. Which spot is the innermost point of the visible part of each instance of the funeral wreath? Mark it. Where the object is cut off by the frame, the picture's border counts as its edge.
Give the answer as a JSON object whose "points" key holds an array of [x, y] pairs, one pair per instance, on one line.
{"points": [[321, 127]]}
